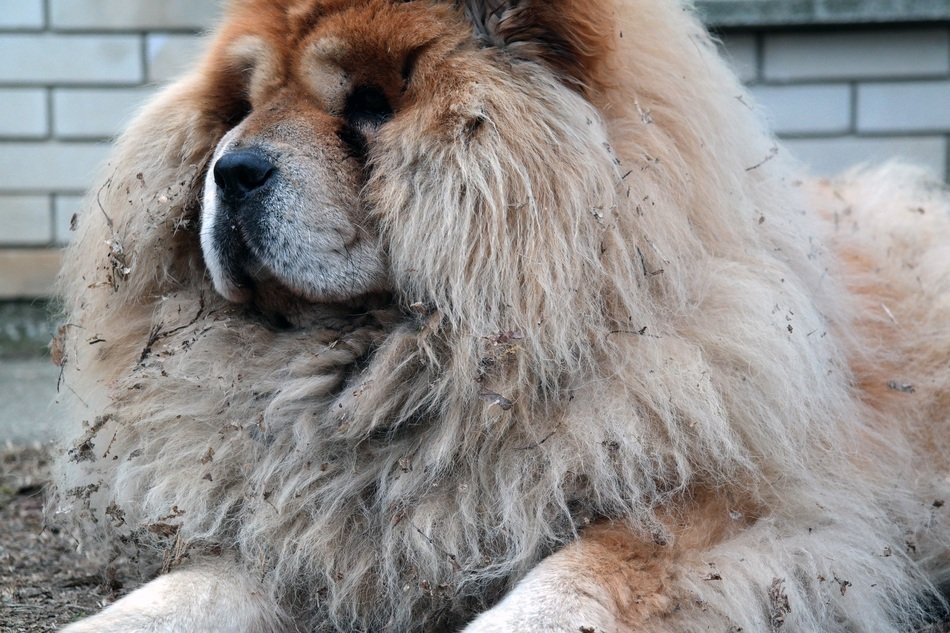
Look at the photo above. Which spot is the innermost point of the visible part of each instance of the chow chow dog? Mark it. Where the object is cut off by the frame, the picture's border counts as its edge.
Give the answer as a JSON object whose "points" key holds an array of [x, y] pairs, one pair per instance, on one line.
{"points": [[500, 316]]}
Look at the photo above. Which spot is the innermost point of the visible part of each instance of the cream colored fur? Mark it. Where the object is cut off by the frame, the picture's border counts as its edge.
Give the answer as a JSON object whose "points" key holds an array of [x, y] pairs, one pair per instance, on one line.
{"points": [[649, 285], [215, 598]]}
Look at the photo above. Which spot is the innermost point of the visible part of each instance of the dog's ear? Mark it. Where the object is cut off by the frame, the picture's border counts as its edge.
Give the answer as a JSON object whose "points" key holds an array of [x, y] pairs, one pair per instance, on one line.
{"points": [[571, 36]]}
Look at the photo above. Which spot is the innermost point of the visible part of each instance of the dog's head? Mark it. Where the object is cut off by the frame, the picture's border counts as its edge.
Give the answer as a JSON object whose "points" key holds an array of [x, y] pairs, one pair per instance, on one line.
{"points": [[352, 117]]}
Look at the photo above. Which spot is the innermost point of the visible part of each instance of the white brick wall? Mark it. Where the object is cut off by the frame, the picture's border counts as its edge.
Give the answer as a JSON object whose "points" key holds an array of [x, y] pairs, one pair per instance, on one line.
{"points": [[912, 106], [21, 14], [50, 59], [49, 166], [131, 15], [806, 108], [72, 73], [843, 97], [26, 220], [832, 154], [25, 113], [91, 113], [865, 54], [167, 55]]}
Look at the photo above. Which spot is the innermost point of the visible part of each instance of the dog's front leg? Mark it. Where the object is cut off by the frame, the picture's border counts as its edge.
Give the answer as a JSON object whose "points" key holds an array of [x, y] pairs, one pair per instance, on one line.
{"points": [[556, 597], [720, 570], [209, 597], [591, 586]]}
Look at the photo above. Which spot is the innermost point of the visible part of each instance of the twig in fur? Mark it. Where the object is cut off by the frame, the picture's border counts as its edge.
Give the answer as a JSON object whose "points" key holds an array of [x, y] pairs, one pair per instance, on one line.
{"points": [[773, 152], [643, 264], [157, 334], [541, 441], [109, 223], [452, 558]]}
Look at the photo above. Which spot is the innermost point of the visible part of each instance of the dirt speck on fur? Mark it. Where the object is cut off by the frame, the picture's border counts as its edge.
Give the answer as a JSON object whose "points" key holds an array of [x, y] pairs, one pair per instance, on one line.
{"points": [[778, 603]]}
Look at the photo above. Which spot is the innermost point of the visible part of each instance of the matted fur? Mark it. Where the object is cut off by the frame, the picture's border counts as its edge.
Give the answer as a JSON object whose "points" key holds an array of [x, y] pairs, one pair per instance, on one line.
{"points": [[623, 300]]}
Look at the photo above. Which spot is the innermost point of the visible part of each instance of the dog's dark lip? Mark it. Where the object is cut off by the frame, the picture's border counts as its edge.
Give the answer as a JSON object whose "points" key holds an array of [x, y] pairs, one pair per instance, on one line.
{"points": [[265, 292], [237, 260]]}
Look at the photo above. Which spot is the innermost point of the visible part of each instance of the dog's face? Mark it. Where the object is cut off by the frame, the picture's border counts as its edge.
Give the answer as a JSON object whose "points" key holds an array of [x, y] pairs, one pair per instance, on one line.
{"points": [[284, 200], [324, 94]]}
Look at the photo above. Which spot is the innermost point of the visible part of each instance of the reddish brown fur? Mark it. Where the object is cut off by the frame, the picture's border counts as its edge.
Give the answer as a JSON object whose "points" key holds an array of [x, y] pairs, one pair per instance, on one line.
{"points": [[570, 36], [638, 574], [383, 36]]}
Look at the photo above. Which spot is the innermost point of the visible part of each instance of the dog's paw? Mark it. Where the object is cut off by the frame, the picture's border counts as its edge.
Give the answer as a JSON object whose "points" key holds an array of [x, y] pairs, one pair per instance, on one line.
{"points": [[532, 625], [106, 622], [538, 621], [215, 598]]}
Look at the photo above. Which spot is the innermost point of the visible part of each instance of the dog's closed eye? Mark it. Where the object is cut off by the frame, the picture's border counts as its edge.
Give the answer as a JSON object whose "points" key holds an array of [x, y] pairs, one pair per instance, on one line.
{"points": [[367, 107]]}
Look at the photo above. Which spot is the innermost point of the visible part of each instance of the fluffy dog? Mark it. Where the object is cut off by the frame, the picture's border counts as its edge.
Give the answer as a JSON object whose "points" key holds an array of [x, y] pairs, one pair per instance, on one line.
{"points": [[392, 308]]}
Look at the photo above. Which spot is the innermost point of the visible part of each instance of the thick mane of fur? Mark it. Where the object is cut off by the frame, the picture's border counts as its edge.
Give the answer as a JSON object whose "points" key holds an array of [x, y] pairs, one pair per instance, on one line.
{"points": [[652, 318]]}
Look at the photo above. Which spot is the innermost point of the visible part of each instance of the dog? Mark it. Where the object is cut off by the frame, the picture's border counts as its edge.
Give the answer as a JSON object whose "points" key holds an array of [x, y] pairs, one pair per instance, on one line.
{"points": [[500, 315]]}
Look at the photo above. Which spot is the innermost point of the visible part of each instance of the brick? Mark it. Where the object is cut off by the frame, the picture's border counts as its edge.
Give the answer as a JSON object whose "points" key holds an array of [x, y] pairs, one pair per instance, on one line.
{"points": [[70, 59], [21, 14], [23, 113], [62, 167], [168, 56], [741, 51], [875, 53], [80, 113], [133, 14], [28, 273], [904, 106], [805, 109], [733, 14], [25, 220], [64, 208], [830, 156]]}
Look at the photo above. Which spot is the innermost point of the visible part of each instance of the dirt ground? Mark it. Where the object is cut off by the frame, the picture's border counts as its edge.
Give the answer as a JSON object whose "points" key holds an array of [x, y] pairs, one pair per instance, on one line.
{"points": [[44, 582]]}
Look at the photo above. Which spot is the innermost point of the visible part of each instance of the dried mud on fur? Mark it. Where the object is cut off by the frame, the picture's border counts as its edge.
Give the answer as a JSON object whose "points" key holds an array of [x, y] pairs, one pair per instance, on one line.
{"points": [[44, 582]]}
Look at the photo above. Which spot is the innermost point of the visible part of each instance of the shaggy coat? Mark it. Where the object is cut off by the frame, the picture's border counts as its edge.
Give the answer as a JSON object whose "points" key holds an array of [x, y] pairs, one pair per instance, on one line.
{"points": [[613, 301]]}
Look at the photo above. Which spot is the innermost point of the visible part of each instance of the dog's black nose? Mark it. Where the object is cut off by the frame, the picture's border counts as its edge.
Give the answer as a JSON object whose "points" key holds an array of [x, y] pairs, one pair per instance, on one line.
{"points": [[242, 172]]}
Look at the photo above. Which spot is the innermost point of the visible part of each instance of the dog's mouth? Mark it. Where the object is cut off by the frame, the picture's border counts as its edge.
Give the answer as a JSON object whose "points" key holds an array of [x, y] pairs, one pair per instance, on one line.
{"points": [[242, 276], [245, 279], [277, 221], [232, 264]]}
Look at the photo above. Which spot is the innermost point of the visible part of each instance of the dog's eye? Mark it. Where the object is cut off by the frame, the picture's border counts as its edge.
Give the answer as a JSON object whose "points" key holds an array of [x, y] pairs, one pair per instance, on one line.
{"points": [[239, 111], [367, 106]]}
